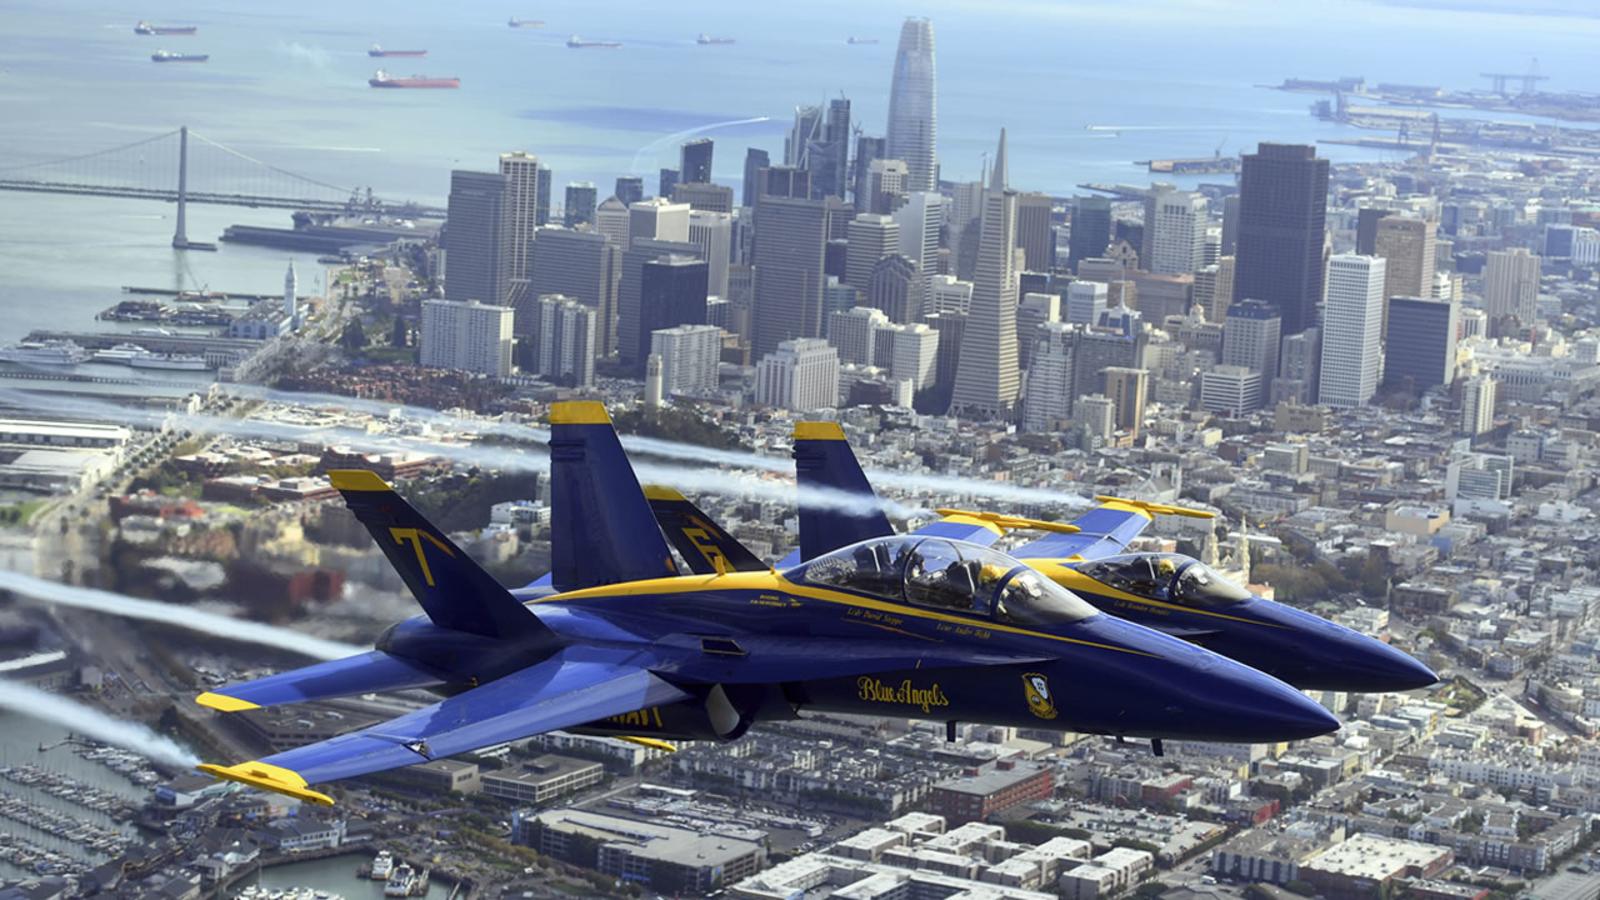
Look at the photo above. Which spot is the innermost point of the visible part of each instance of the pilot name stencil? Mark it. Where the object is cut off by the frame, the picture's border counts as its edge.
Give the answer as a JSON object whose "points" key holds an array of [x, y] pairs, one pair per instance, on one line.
{"points": [[904, 693]]}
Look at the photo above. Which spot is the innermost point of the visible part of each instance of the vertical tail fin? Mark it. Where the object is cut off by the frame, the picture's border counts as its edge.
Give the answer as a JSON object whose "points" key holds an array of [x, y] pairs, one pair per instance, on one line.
{"points": [[454, 591], [823, 461], [703, 544], [601, 528]]}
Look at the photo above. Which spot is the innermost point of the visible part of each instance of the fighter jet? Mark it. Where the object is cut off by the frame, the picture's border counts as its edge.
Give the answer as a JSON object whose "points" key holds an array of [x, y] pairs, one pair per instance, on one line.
{"points": [[1176, 594], [615, 641]]}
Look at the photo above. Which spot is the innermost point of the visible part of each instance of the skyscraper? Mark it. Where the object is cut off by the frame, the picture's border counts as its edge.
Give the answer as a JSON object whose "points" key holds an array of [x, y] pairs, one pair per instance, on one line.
{"points": [[694, 162], [1034, 234], [469, 336], [913, 107], [853, 333], [895, 287], [1351, 324], [1283, 205], [886, 185], [613, 220], [581, 265], [1127, 389], [1510, 288], [1477, 405], [672, 291], [630, 189], [1406, 244], [1049, 397], [1090, 230], [987, 381], [920, 221], [1213, 288], [666, 181], [478, 238], [820, 144], [689, 356], [658, 219], [1250, 336], [521, 170], [1174, 231], [867, 149], [1420, 342], [712, 232], [790, 235], [755, 160], [800, 374], [579, 208], [630, 292], [567, 336], [871, 238]]}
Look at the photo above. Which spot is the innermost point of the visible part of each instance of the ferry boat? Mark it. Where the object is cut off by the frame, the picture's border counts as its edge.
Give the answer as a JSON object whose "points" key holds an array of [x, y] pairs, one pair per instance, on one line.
{"points": [[577, 43], [176, 362], [119, 354], [44, 353], [165, 56], [705, 39], [146, 28], [402, 882], [382, 866], [382, 79], [377, 50]]}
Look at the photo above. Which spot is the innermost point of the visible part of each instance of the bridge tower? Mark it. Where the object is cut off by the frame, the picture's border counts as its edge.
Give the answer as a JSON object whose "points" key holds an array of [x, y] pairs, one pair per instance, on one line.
{"points": [[180, 237]]}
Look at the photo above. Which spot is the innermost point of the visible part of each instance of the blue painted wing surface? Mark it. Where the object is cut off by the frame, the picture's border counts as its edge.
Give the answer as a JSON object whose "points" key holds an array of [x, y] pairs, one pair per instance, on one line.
{"points": [[576, 686], [764, 659], [955, 530], [1101, 532], [360, 674]]}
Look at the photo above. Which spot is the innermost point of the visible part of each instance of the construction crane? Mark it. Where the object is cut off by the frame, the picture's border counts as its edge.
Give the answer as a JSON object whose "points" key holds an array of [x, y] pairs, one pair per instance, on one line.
{"points": [[1530, 79]]}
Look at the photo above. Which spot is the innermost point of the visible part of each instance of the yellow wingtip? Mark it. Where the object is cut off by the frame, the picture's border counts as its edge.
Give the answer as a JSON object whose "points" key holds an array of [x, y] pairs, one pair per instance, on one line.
{"points": [[579, 412], [224, 703], [1152, 508], [818, 431], [269, 777], [661, 492], [652, 743], [357, 480]]}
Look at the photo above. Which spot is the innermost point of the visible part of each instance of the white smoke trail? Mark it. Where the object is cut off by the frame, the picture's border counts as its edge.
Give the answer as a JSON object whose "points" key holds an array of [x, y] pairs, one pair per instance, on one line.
{"points": [[36, 704], [176, 616], [654, 147]]}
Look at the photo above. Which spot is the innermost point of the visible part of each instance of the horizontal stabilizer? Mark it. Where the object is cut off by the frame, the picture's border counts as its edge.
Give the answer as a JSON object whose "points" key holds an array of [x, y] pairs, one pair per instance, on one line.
{"points": [[703, 544], [453, 590], [354, 675]]}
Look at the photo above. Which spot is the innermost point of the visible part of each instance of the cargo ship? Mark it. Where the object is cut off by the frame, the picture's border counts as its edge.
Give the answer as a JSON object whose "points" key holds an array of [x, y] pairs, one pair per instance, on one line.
{"points": [[524, 23], [853, 40], [382, 79], [704, 39], [578, 43], [147, 28], [169, 56], [377, 50]]}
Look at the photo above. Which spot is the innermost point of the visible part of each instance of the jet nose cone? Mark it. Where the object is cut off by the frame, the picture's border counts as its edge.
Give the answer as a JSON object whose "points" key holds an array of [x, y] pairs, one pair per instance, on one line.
{"points": [[1398, 670], [1273, 711]]}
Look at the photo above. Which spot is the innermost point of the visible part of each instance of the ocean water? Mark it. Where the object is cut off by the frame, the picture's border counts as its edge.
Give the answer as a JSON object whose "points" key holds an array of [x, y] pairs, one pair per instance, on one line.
{"points": [[286, 84]]}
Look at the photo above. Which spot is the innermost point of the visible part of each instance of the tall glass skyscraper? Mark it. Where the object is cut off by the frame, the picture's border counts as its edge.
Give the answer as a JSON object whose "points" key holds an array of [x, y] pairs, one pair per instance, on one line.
{"points": [[913, 107], [1283, 205], [987, 381]]}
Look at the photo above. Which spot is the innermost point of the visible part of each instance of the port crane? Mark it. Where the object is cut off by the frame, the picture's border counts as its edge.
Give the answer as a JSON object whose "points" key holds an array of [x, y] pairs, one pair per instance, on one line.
{"points": [[1530, 80]]}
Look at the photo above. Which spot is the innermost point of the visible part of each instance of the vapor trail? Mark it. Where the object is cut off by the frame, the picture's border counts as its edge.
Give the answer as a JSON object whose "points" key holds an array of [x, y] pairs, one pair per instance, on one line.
{"points": [[176, 616], [36, 704], [654, 146]]}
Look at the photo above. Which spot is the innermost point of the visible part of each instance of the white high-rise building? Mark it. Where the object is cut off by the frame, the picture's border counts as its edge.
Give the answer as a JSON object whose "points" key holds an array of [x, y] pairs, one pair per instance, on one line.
{"points": [[291, 304], [853, 333], [469, 336], [947, 294], [870, 237], [1477, 405], [522, 183], [913, 107], [1352, 321], [712, 232], [568, 332], [1049, 397], [909, 352], [920, 220], [658, 219], [1174, 231], [1086, 300], [987, 380], [613, 220], [689, 358], [1234, 390], [1511, 285], [801, 375], [886, 185]]}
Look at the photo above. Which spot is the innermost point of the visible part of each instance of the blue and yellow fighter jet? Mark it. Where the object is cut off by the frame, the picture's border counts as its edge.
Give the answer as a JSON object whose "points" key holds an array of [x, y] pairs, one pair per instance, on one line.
{"points": [[615, 641], [1170, 592]]}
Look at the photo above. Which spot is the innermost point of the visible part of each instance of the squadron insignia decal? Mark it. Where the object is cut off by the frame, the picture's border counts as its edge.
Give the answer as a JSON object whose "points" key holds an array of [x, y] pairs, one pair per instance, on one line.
{"points": [[1037, 689]]}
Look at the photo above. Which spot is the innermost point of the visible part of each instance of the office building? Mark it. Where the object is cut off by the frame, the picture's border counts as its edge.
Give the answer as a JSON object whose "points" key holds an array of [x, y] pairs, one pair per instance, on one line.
{"points": [[788, 258], [524, 199], [871, 238], [1299, 364], [1420, 343], [632, 336], [704, 197], [582, 265], [712, 232], [909, 352], [1230, 390], [854, 333], [1510, 288], [788, 182], [948, 294], [896, 288], [694, 162], [1089, 230], [1367, 219], [912, 134], [920, 220], [672, 291], [1047, 402], [819, 143], [1283, 199], [1086, 300], [1127, 389], [1213, 288], [1174, 231], [468, 336], [658, 219], [581, 203], [886, 185], [755, 160], [1407, 246], [689, 357], [801, 375], [1477, 405], [1250, 337], [1118, 341], [987, 380], [666, 182], [612, 219], [1352, 323], [1035, 235], [1230, 226], [629, 189], [1033, 309], [669, 859], [568, 338], [868, 148], [478, 238]]}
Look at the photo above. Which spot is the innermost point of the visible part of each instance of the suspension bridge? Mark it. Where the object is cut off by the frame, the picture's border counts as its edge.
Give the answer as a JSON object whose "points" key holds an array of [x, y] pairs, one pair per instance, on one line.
{"points": [[183, 167]]}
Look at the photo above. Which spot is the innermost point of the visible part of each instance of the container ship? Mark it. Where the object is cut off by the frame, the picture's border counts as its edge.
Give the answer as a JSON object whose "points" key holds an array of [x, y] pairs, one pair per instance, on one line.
{"points": [[147, 28], [853, 40], [704, 39], [376, 50], [578, 43], [169, 56], [382, 79], [524, 23]]}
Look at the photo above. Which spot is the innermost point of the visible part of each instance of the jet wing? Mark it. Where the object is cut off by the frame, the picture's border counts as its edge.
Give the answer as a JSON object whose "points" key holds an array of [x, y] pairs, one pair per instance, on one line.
{"points": [[575, 686], [1103, 531], [360, 674]]}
